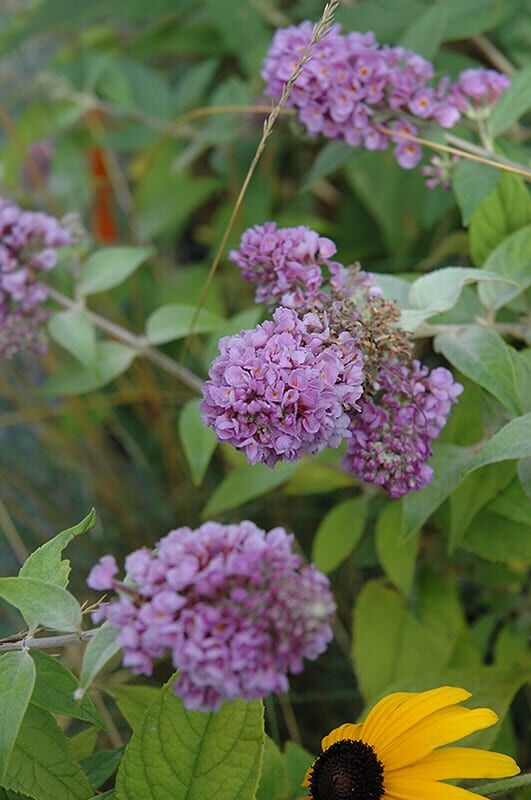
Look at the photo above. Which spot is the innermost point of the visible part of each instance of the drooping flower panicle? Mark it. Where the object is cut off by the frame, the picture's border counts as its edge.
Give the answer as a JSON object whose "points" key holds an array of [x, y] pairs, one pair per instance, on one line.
{"points": [[28, 242], [232, 604], [401, 414], [357, 90], [284, 389], [399, 753]]}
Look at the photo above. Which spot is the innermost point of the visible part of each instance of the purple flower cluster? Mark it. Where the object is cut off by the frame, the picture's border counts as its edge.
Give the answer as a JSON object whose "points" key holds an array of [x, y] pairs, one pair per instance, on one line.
{"points": [[27, 248], [355, 89], [391, 436], [352, 86], [284, 388], [286, 264], [232, 603], [477, 90]]}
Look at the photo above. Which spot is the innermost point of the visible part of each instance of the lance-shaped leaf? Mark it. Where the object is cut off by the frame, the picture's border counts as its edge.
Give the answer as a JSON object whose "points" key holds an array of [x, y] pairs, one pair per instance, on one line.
{"points": [[41, 603], [107, 268], [17, 678]]}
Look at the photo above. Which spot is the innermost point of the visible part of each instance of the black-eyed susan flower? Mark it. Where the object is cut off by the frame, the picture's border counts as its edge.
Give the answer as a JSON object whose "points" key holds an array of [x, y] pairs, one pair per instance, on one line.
{"points": [[394, 754]]}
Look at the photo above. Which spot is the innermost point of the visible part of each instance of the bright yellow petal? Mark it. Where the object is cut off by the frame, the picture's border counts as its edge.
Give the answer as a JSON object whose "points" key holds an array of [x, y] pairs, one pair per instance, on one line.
{"points": [[409, 712], [403, 789], [347, 731], [440, 728], [306, 781], [460, 762], [379, 716]]}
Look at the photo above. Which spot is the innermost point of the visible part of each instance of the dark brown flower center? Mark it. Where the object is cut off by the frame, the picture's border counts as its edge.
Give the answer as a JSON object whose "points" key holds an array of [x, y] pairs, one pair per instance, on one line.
{"points": [[347, 770]]}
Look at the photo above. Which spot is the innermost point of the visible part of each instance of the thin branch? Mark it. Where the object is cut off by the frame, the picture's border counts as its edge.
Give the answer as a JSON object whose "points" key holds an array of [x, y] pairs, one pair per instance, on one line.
{"points": [[493, 55], [48, 642], [485, 158], [138, 343], [319, 32]]}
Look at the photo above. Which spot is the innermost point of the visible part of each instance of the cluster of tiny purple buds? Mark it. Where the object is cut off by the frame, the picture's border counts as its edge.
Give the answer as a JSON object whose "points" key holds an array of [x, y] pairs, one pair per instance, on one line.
{"points": [[356, 89], [286, 264], [28, 242], [291, 267], [477, 90], [406, 409], [283, 389], [232, 604]]}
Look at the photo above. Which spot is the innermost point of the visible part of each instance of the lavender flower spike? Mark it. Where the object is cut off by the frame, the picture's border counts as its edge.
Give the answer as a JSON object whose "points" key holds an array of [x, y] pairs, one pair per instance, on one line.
{"points": [[284, 389], [232, 604], [28, 242]]}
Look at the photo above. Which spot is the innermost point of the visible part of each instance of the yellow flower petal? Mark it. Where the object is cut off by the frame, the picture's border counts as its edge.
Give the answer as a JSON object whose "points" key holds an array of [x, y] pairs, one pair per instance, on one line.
{"points": [[391, 723], [404, 789], [440, 728], [306, 782], [379, 716], [460, 762], [347, 731]]}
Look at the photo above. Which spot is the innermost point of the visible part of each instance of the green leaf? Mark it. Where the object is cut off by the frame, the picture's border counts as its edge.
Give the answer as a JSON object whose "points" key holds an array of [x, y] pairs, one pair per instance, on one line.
{"points": [[298, 760], [511, 441], [512, 104], [244, 484], [71, 378], [447, 464], [482, 355], [41, 603], [74, 331], [17, 678], [173, 321], [133, 702], [474, 16], [472, 495], [472, 183], [512, 503], [107, 268], [391, 643], [83, 743], [498, 539], [502, 787], [54, 691], [511, 260], [505, 210], [100, 766], [198, 441], [339, 533], [100, 649], [45, 563], [439, 291], [42, 765], [318, 476], [177, 754], [332, 156], [427, 32], [397, 557], [524, 474], [274, 781]]}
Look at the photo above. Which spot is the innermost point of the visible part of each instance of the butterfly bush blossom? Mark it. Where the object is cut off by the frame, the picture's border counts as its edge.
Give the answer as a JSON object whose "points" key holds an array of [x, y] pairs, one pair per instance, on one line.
{"points": [[403, 407], [233, 605], [404, 411], [28, 242], [353, 87], [284, 388]]}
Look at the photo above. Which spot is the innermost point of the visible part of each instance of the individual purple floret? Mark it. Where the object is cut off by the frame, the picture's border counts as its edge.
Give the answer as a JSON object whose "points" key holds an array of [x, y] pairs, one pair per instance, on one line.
{"points": [[286, 264], [478, 90], [353, 87], [391, 437], [284, 388], [28, 242], [233, 604]]}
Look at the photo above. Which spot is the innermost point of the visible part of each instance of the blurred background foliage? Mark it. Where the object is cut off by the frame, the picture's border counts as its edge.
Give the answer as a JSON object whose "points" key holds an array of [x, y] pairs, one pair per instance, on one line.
{"points": [[122, 92]]}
